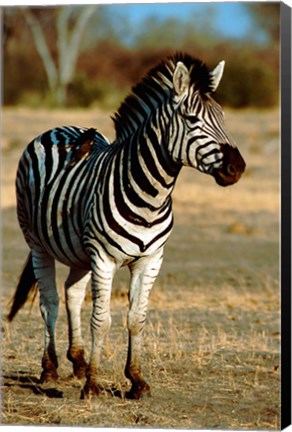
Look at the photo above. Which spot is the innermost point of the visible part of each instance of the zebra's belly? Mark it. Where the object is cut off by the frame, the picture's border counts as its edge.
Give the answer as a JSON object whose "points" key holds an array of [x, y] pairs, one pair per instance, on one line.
{"points": [[60, 236], [128, 243], [68, 249]]}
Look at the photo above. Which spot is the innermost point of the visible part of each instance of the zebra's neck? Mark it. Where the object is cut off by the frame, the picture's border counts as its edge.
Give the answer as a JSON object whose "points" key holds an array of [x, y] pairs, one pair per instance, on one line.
{"points": [[148, 171], [142, 133]]}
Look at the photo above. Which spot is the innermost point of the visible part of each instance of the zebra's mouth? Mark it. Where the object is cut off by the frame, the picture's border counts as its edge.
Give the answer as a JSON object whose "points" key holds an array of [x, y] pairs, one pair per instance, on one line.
{"points": [[232, 168], [225, 179]]}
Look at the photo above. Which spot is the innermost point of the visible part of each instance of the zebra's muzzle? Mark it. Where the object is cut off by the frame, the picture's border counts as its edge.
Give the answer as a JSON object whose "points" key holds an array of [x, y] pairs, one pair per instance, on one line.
{"points": [[232, 168]]}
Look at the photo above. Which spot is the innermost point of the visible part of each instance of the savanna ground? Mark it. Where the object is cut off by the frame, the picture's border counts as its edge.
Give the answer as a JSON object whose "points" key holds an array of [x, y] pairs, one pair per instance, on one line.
{"points": [[211, 349]]}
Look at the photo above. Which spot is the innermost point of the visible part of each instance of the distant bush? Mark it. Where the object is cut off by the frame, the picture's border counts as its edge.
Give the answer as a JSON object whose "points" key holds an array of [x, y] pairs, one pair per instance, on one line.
{"points": [[107, 68], [85, 93], [249, 81], [21, 78], [250, 77]]}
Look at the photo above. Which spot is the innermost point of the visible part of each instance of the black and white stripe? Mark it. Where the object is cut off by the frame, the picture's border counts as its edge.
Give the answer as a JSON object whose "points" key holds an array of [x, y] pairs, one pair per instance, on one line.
{"points": [[96, 206]]}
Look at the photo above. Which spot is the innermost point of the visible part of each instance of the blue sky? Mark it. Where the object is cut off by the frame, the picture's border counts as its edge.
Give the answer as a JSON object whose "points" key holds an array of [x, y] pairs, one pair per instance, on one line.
{"points": [[231, 19]]}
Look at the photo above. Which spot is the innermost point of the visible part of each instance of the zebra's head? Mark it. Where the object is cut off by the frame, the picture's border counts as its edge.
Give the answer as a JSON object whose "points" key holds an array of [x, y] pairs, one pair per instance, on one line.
{"points": [[197, 135]]}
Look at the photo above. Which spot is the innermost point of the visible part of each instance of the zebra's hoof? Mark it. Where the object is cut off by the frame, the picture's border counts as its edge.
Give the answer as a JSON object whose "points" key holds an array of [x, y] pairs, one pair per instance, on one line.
{"points": [[138, 391], [48, 376], [79, 371], [79, 363], [90, 390]]}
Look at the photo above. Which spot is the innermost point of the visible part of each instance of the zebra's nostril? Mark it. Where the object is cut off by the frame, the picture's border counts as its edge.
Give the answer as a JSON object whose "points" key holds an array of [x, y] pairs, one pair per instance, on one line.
{"points": [[231, 170]]}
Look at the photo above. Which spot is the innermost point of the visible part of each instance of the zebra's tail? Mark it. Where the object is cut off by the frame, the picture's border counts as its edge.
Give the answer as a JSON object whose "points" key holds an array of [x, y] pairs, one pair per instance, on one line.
{"points": [[27, 283]]}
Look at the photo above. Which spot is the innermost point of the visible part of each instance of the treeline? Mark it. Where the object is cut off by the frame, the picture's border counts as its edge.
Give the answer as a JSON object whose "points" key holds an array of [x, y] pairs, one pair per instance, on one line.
{"points": [[250, 77], [108, 64]]}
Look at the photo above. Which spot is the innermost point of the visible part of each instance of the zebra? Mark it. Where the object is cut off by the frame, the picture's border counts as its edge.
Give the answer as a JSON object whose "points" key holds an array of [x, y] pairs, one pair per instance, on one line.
{"points": [[96, 206]]}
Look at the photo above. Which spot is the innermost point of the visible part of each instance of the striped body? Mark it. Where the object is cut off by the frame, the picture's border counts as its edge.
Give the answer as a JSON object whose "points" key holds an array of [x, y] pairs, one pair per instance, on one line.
{"points": [[67, 208], [96, 206], [49, 214]]}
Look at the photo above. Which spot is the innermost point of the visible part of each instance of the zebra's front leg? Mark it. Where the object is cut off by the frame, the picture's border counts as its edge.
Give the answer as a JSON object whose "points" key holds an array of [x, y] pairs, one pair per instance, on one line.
{"points": [[101, 284], [144, 272], [75, 289], [44, 270]]}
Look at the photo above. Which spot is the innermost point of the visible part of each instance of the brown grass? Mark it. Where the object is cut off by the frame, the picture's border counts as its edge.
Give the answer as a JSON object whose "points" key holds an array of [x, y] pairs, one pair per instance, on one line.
{"points": [[211, 349]]}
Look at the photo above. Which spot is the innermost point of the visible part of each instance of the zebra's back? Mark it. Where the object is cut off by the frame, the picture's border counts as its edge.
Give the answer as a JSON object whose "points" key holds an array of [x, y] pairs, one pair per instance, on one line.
{"points": [[55, 179]]}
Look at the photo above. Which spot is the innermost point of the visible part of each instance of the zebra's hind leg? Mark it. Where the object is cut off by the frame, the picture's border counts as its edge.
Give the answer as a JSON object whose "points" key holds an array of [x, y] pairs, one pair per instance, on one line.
{"points": [[75, 288], [44, 270], [144, 273]]}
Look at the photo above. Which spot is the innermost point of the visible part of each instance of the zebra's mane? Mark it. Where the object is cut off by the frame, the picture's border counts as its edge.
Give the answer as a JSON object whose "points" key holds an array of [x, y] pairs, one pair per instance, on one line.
{"points": [[156, 87]]}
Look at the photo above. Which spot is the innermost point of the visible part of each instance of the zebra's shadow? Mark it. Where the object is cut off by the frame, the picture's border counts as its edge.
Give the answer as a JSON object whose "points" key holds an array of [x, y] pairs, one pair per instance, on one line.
{"points": [[26, 382]]}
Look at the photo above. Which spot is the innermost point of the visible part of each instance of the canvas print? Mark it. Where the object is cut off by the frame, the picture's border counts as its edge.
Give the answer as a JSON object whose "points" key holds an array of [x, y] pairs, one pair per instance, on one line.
{"points": [[141, 215]]}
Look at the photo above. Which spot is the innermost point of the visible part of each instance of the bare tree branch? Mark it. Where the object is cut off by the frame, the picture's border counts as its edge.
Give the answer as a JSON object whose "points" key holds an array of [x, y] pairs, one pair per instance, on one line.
{"points": [[68, 46], [42, 48], [74, 42], [62, 32]]}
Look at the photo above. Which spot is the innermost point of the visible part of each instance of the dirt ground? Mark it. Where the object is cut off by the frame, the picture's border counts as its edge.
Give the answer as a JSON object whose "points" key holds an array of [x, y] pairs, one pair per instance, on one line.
{"points": [[211, 347]]}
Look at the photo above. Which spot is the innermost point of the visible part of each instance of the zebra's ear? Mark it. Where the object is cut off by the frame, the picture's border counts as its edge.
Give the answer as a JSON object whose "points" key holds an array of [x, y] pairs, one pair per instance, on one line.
{"points": [[181, 78], [216, 75]]}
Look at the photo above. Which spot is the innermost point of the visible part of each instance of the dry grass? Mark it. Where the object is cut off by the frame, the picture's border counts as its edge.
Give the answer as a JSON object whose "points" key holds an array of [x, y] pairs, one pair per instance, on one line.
{"points": [[211, 350]]}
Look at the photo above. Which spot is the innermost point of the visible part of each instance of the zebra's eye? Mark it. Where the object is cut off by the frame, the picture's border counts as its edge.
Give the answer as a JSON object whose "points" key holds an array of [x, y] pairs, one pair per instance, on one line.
{"points": [[192, 118]]}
